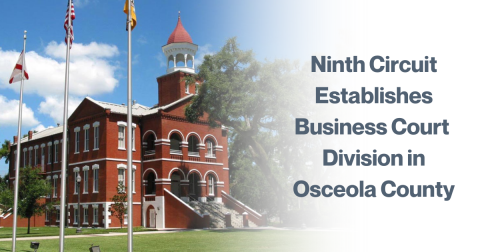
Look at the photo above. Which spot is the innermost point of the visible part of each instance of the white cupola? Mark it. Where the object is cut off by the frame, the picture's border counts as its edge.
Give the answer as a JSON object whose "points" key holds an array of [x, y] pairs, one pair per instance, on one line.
{"points": [[180, 50]]}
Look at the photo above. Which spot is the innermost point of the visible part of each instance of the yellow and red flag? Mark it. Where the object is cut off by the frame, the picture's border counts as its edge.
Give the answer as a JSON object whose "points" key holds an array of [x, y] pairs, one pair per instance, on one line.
{"points": [[132, 10]]}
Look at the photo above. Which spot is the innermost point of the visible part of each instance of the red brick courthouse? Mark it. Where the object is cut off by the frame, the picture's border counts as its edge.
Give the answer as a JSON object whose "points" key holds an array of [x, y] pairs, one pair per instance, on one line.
{"points": [[180, 169]]}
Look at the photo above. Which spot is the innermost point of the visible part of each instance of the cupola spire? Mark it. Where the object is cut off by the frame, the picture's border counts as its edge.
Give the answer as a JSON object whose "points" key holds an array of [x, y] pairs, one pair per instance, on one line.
{"points": [[180, 50]]}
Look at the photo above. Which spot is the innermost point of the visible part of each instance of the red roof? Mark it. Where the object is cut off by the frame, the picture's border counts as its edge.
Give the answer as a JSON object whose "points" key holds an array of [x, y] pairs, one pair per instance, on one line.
{"points": [[179, 35]]}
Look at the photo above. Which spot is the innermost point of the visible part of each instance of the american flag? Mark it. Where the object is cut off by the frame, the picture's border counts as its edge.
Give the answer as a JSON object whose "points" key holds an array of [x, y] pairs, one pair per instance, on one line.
{"points": [[65, 25]]}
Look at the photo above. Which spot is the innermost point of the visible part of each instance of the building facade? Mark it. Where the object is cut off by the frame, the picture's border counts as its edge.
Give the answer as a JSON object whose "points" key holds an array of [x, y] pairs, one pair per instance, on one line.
{"points": [[174, 161]]}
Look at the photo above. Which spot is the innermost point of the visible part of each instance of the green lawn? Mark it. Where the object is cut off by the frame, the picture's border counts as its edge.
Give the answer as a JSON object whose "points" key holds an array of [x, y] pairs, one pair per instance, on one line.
{"points": [[205, 240], [52, 231]]}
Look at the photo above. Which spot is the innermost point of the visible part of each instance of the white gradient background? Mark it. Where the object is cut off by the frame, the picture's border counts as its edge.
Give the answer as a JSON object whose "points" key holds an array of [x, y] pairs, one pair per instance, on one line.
{"points": [[408, 30]]}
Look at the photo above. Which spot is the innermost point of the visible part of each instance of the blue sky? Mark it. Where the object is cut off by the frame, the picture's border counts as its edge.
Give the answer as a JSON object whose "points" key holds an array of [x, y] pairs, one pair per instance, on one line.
{"points": [[99, 52]]}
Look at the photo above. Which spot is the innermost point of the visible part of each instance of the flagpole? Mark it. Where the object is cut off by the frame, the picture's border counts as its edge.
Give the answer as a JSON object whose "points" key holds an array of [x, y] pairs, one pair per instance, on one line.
{"points": [[65, 140], [17, 157], [129, 127]]}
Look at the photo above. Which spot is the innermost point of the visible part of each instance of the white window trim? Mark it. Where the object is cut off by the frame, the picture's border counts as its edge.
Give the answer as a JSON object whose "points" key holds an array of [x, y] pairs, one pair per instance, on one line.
{"points": [[85, 220], [76, 170], [94, 207], [85, 136], [133, 137], [55, 152], [95, 167], [124, 126], [85, 178], [96, 129], [76, 217], [211, 185], [77, 141], [123, 181]]}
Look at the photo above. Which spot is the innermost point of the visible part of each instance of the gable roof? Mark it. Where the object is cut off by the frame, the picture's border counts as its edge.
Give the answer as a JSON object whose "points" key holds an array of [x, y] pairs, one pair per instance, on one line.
{"points": [[137, 109], [44, 133]]}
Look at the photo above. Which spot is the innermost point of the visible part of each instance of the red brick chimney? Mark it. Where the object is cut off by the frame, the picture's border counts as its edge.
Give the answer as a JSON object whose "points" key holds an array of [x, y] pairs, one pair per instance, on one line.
{"points": [[15, 139], [30, 135]]}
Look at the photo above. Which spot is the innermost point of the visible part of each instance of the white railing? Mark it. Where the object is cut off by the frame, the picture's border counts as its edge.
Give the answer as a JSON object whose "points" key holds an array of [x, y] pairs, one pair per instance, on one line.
{"points": [[194, 153], [149, 152], [210, 155], [175, 152]]}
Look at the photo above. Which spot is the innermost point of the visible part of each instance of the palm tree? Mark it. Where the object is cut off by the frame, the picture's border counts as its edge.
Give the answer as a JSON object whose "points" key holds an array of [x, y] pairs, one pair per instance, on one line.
{"points": [[5, 151]]}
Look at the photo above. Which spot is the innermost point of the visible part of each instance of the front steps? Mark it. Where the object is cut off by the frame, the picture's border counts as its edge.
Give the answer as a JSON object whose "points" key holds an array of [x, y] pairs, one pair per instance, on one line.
{"points": [[217, 213]]}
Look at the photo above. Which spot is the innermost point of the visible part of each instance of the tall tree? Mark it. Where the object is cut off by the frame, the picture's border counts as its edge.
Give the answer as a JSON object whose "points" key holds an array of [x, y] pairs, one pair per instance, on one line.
{"points": [[5, 151], [119, 206], [258, 102], [32, 187]]}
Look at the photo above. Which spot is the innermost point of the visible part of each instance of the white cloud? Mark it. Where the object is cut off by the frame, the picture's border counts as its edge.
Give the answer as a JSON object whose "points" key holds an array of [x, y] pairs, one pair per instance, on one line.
{"points": [[142, 40], [53, 106], [136, 59], [202, 52], [92, 72], [39, 128], [161, 58], [93, 50], [81, 3], [9, 113]]}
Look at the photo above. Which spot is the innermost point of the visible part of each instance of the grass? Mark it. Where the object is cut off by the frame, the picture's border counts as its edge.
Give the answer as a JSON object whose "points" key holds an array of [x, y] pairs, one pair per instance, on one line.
{"points": [[55, 231], [205, 240]]}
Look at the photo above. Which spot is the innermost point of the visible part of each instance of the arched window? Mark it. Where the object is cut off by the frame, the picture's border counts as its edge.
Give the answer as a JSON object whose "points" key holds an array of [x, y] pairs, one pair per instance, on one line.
{"points": [[180, 59], [170, 58], [210, 151], [150, 148], [150, 184], [175, 141], [211, 185], [193, 146], [189, 61], [175, 182], [193, 186]]}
